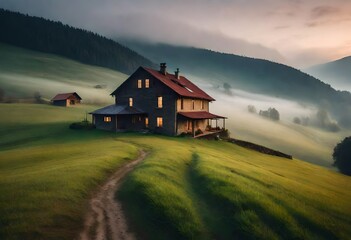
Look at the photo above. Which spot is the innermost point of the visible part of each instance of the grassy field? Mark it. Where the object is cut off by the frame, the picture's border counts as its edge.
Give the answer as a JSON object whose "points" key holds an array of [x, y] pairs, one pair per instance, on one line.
{"points": [[191, 189], [24, 72], [185, 189], [48, 171]]}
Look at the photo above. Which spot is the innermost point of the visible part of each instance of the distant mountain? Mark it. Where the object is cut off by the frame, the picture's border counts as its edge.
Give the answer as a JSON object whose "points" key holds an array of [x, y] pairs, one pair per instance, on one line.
{"points": [[250, 74], [336, 73], [54, 37]]}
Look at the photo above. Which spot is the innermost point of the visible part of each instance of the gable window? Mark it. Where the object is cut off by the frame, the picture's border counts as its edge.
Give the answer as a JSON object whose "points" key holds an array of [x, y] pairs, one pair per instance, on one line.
{"points": [[140, 83], [130, 102], [182, 103], [193, 103], [159, 102], [146, 122], [107, 119], [159, 121], [147, 83], [202, 104]]}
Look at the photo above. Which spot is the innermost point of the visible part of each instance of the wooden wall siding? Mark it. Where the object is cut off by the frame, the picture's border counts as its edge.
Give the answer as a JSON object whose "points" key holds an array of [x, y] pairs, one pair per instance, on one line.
{"points": [[123, 123], [98, 120], [146, 99], [61, 103], [188, 105], [183, 125]]}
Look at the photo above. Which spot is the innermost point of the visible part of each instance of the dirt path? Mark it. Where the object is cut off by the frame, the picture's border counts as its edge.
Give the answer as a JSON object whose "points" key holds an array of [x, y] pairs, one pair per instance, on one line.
{"points": [[105, 219]]}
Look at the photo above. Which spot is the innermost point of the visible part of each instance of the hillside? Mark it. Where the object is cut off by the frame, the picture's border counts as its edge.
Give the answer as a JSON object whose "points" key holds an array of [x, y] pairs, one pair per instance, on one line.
{"points": [[24, 72], [249, 74], [336, 73], [184, 189], [54, 37]]}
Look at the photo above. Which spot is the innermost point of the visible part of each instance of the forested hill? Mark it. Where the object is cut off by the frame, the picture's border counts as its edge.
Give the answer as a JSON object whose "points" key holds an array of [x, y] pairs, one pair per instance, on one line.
{"points": [[250, 74], [54, 37]]}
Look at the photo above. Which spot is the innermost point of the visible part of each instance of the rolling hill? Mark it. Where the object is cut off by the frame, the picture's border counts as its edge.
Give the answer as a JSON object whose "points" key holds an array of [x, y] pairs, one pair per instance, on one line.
{"points": [[54, 37], [184, 189], [250, 74], [336, 73]]}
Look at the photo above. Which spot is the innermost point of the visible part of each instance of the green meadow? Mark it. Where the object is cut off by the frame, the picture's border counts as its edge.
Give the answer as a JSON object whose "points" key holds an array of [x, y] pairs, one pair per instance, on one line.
{"points": [[184, 189]]}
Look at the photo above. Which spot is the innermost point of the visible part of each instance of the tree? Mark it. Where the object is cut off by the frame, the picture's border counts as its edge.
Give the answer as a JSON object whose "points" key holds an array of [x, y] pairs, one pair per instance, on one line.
{"points": [[251, 109], [342, 156], [2, 95]]}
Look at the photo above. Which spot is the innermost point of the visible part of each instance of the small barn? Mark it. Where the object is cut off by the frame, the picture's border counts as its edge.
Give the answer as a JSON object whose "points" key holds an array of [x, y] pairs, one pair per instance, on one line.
{"points": [[66, 99]]}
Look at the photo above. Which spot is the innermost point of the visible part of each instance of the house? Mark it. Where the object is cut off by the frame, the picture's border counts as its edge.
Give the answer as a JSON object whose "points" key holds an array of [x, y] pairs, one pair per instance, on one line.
{"points": [[158, 101], [66, 99]]}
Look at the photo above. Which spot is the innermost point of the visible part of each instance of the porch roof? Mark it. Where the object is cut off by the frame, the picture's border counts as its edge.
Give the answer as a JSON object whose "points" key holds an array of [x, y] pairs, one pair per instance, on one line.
{"points": [[199, 115], [118, 110]]}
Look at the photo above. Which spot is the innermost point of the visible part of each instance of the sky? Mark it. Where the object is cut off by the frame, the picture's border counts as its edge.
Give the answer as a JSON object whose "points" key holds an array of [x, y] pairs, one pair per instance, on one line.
{"points": [[295, 32]]}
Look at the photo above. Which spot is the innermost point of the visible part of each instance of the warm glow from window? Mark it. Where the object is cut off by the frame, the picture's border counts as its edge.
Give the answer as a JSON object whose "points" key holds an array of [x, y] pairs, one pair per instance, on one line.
{"points": [[159, 102], [147, 83], [107, 119], [159, 122], [130, 102], [140, 84], [146, 122]]}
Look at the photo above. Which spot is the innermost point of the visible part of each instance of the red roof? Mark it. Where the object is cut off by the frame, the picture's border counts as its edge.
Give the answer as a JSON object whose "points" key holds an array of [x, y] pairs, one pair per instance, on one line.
{"points": [[64, 96], [200, 115], [182, 86]]}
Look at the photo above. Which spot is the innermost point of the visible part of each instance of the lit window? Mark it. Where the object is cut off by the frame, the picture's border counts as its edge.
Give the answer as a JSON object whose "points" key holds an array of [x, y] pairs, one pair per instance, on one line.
{"points": [[130, 102], [159, 121], [146, 122], [182, 103], [159, 102], [193, 102], [147, 83], [140, 84], [202, 104], [107, 119]]}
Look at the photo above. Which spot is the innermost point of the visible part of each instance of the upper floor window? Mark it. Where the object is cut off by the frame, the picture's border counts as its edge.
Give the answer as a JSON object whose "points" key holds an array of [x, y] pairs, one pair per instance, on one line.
{"points": [[193, 104], [202, 104], [140, 83], [130, 102], [146, 122], [147, 83], [107, 119], [159, 121], [159, 102], [182, 103]]}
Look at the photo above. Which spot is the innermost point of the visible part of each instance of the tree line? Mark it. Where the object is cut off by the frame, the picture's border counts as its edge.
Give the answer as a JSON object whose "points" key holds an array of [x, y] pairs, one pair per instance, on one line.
{"points": [[47, 36]]}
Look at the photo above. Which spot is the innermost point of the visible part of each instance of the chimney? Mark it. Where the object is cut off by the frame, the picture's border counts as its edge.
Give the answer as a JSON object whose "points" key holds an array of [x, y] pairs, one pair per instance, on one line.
{"points": [[176, 74], [163, 68]]}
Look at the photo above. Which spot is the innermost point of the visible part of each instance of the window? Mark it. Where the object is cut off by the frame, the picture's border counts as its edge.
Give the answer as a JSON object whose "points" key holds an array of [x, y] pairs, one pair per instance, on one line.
{"points": [[146, 122], [130, 102], [159, 102], [140, 84], [202, 104], [159, 121], [193, 102], [107, 119], [182, 103], [147, 83]]}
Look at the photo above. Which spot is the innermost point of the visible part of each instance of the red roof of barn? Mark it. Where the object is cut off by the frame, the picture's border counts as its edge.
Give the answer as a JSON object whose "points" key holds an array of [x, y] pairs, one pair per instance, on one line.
{"points": [[64, 96], [199, 115], [182, 86]]}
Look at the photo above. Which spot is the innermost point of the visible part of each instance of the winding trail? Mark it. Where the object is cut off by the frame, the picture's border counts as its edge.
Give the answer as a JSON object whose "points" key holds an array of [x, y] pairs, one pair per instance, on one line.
{"points": [[105, 218]]}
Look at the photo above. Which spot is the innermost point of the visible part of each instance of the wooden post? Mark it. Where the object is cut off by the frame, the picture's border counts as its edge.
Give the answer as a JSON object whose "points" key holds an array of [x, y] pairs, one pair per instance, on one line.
{"points": [[193, 127]]}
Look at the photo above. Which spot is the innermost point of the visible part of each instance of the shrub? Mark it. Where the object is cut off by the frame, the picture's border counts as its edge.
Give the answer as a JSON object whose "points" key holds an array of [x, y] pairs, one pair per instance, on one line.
{"points": [[251, 109], [84, 125], [342, 156], [271, 113], [198, 132]]}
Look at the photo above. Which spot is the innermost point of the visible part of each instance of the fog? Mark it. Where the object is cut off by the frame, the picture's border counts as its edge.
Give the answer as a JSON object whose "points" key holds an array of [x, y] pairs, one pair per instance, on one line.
{"points": [[307, 143]]}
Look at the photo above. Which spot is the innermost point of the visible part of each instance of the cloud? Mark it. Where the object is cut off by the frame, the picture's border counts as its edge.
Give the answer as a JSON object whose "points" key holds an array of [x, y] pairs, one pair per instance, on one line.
{"points": [[323, 11]]}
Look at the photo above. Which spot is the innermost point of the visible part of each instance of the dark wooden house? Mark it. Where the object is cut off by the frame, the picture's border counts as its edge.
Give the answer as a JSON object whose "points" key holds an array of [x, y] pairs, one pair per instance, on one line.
{"points": [[66, 99], [158, 101]]}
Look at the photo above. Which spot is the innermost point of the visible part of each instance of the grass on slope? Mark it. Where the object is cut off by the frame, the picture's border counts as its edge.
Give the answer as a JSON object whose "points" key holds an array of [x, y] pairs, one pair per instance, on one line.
{"points": [[190, 189], [48, 171], [24, 72]]}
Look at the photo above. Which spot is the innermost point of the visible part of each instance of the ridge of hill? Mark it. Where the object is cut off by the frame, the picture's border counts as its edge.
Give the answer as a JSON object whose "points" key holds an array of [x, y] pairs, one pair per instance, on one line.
{"points": [[337, 73], [250, 74], [48, 36]]}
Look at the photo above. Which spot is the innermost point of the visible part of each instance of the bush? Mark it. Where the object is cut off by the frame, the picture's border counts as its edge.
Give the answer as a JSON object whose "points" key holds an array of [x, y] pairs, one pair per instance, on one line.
{"points": [[342, 156], [84, 125], [271, 113], [251, 109], [198, 132]]}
